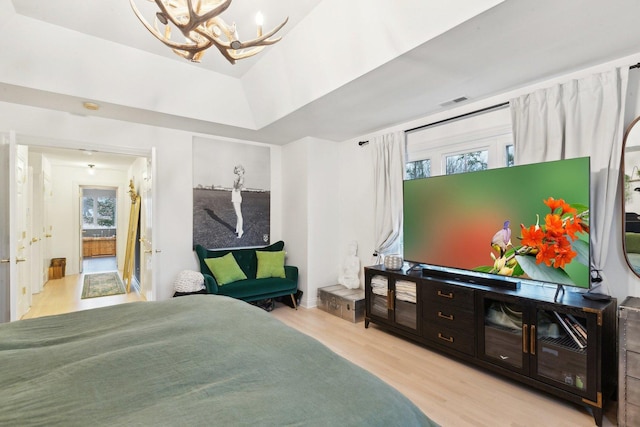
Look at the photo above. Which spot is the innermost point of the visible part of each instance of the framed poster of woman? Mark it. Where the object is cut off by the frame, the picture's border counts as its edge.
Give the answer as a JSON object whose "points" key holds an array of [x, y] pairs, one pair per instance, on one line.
{"points": [[231, 194]]}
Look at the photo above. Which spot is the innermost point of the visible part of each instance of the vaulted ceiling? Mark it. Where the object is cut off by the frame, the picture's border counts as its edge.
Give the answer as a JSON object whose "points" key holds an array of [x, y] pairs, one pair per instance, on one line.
{"points": [[343, 68]]}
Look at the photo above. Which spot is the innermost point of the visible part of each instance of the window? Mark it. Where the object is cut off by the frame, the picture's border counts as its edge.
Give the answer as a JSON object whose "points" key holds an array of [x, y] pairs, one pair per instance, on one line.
{"points": [[98, 208], [509, 155], [471, 143], [417, 169], [467, 162]]}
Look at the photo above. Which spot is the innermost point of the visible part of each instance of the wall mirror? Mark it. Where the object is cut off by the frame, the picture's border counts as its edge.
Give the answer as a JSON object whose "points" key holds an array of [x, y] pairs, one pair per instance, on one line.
{"points": [[631, 194]]}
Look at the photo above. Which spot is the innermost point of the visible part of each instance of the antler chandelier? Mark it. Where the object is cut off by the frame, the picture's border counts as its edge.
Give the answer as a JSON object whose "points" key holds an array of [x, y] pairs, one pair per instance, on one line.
{"points": [[201, 26]]}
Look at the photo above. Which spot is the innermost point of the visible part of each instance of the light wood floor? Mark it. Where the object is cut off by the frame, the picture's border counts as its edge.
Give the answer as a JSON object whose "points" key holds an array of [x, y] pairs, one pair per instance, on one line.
{"points": [[63, 296], [449, 392]]}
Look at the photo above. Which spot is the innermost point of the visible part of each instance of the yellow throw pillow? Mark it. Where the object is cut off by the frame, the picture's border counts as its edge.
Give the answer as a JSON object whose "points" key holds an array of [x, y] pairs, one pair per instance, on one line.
{"points": [[270, 264], [225, 269]]}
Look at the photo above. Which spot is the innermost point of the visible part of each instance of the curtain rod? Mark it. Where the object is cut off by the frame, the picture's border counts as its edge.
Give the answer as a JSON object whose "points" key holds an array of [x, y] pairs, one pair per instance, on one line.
{"points": [[482, 110]]}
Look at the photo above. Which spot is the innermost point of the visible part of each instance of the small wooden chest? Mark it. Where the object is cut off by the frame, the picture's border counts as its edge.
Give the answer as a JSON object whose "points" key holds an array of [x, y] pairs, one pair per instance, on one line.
{"points": [[342, 302]]}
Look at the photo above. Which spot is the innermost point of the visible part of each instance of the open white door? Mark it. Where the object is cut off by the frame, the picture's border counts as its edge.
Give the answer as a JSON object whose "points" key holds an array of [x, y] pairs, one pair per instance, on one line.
{"points": [[8, 276], [21, 291], [147, 234]]}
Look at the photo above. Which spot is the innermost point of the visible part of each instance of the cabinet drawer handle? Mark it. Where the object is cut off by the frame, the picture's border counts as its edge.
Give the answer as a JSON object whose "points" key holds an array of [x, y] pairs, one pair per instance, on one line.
{"points": [[445, 316], [442, 337], [442, 294], [532, 344], [525, 329]]}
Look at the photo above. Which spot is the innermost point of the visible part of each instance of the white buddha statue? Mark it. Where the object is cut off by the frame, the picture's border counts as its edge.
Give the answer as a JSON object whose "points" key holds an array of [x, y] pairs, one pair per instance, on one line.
{"points": [[349, 275]]}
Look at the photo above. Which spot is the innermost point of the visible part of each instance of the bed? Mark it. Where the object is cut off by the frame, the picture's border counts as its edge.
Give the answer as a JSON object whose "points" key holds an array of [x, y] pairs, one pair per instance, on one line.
{"points": [[190, 361]]}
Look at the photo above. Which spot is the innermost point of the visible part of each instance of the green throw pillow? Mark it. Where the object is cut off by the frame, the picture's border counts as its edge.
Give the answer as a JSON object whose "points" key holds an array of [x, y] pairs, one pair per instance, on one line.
{"points": [[270, 264], [225, 269]]}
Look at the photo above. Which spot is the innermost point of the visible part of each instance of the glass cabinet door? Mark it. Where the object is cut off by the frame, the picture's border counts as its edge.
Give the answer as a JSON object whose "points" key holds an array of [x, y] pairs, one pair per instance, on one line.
{"points": [[562, 341], [505, 334], [380, 296], [394, 300], [405, 307]]}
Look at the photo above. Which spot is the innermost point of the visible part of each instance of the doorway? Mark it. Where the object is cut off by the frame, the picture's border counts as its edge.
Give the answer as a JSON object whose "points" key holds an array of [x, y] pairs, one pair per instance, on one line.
{"points": [[98, 210], [57, 224]]}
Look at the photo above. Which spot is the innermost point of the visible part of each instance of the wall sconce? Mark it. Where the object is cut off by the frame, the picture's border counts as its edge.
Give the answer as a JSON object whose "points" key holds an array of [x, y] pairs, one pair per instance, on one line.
{"points": [[91, 170]]}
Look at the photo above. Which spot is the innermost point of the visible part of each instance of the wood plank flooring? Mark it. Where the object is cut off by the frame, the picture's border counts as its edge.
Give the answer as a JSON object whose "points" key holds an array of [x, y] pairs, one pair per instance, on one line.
{"points": [[64, 296], [449, 392]]}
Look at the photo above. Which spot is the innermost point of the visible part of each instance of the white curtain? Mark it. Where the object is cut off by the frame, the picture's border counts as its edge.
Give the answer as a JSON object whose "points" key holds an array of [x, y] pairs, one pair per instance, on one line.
{"points": [[388, 172], [577, 119]]}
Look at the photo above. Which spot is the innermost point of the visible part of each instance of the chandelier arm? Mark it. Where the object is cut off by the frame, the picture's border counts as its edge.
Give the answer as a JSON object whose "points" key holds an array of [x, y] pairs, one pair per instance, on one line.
{"points": [[226, 53], [144, 21], [200, 19], [173, 45], [260, 41], [246, 53], [194, 18], [195, 46], [264, 39], [210, 34], [191, 55], [169, 16]]}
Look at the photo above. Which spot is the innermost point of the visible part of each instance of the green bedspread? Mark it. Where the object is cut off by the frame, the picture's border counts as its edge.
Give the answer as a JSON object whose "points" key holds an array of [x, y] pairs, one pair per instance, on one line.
{"points": [[191, 361]]}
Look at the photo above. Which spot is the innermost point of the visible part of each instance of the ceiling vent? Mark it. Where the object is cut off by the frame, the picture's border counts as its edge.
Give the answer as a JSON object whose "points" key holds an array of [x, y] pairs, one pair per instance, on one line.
{"points": [[454, 101]]}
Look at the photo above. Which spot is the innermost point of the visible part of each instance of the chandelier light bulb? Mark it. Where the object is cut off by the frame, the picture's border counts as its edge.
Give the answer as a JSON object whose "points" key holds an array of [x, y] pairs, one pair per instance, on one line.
{"points": [[259, 22]]}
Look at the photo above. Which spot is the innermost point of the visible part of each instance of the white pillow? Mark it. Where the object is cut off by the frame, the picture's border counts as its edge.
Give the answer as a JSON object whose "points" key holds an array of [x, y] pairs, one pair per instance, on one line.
{"points": [[189, 281]]}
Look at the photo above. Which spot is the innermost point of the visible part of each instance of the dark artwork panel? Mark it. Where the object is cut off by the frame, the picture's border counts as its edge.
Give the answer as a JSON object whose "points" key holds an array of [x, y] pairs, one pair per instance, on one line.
{"points": [[214, 218]]}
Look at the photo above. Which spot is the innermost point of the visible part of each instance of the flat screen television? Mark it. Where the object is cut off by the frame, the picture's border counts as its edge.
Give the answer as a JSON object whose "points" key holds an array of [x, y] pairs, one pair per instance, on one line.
{"points": [[526, 222]]}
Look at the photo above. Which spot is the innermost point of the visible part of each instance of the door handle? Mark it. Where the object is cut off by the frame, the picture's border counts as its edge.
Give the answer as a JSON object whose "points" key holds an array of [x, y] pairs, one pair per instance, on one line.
{"points": [[4, 261], [20, 260]]}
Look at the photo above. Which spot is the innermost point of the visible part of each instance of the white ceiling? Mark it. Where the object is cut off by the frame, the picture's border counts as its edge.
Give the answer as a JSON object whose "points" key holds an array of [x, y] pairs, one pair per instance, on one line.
{"points": [[512, 44], [83, 158]]}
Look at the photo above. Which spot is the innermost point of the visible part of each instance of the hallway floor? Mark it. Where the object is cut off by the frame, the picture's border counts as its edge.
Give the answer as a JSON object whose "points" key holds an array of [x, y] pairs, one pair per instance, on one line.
{"points": [[63, 295], [99, 264]]}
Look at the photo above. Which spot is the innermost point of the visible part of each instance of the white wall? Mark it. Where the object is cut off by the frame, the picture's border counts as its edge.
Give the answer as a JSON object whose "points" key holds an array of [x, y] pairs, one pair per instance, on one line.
{"points": [[311, 213], [355, 200], [356, 191], [295, 210], [325, 250]]}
